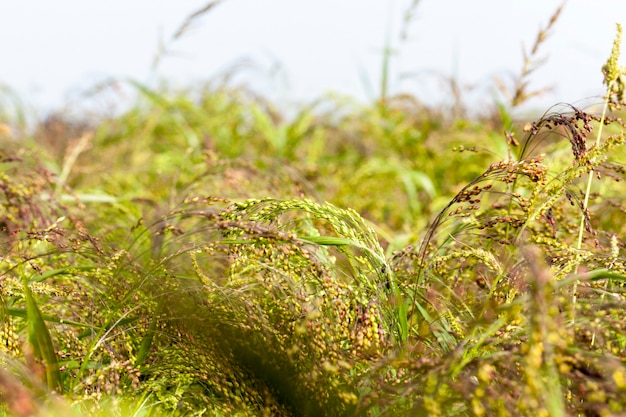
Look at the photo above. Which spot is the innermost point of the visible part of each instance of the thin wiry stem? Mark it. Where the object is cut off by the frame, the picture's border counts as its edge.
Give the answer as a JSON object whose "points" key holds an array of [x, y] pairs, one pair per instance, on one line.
{"points": [[586, 201], [589, 181]]}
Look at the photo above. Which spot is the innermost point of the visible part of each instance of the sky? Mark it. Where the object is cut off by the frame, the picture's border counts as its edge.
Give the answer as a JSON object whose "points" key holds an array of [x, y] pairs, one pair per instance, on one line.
{"points": [[294, 51]]}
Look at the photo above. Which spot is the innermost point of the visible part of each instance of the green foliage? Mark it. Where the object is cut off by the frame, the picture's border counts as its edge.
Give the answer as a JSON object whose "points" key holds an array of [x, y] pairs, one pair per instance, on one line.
{"points": [[202, 255]]}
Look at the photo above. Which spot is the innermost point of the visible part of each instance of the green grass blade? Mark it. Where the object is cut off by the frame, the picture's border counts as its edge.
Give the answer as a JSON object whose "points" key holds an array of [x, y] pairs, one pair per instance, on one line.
{"points": [[59, 271], [41, 341], [146, 342], [599, 274], [402, 311], [328, 240], [20, 312]]}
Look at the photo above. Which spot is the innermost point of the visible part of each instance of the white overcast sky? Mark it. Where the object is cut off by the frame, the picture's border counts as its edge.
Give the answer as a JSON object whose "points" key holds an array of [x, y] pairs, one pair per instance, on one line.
{"points": [[301, 49]]}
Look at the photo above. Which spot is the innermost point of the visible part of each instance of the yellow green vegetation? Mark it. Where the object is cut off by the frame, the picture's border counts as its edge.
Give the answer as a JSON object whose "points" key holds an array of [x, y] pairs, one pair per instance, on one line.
{"points": [[202, 255]]}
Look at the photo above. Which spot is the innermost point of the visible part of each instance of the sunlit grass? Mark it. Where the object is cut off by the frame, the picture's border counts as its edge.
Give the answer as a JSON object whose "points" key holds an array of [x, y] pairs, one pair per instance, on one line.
{"points": [[201, 254]]}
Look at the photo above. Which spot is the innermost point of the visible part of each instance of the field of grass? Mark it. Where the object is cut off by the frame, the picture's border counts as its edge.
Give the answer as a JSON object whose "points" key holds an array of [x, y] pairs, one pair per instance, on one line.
{"points": [[202, 255]]}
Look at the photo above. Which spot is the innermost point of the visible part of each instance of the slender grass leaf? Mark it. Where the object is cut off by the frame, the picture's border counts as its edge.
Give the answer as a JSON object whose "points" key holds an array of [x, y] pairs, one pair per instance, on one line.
{"points": [[444, 337], [599, 274], [61, 271], [41, 341], [146, 342], [402, 319], [20, 312], [328, 240]]}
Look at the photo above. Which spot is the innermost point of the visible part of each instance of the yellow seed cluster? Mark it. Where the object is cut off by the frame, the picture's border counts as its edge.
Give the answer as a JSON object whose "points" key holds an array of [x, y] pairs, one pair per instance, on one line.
{"points": [[9, 338]]}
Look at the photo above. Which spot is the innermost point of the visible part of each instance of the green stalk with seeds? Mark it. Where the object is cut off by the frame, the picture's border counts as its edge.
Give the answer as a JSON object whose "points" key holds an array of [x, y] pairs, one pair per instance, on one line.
{"points": [[614, 80]]}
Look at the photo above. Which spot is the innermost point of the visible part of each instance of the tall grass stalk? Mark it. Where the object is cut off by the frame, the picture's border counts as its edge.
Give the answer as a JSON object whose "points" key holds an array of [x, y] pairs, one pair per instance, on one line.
{"points": [[614, 81]]}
